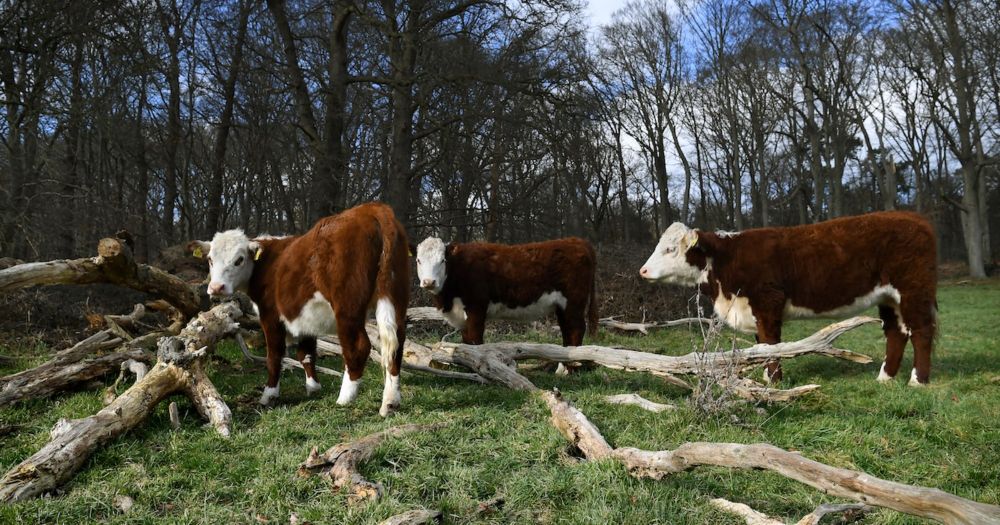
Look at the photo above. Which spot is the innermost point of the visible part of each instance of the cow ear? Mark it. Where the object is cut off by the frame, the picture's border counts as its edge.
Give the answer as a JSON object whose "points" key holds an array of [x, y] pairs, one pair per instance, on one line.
{"points": [[411, 249], [707, 242], [689, 241], [199, 248], [450, 250], [256, 250]]}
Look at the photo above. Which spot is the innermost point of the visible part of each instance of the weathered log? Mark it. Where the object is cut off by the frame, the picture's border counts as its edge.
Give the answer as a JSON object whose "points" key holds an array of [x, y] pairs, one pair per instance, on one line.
{"points": [[113, 264], [852, 511], [340, 463], [414, 517], [639, 401], [753, 391], [914, 500], [693, 363], [70, 368], [178, 369], [423, 313]]}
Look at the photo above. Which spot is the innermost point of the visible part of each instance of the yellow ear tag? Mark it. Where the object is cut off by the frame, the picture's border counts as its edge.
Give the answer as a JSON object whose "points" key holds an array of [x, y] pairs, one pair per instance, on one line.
{"points": [[257, 255], [695, 243], [197, 252]]}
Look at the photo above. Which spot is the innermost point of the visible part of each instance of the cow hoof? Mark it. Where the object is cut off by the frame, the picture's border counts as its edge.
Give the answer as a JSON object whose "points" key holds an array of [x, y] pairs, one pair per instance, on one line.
{"points": [[348, 390], [914, 381], [388, 409], [269, 395], [312, 386], [882, 376]]}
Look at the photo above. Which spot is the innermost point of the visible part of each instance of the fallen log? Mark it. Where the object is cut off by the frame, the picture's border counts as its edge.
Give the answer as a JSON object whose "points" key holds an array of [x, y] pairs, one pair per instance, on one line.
{"points": [[693, 363], [287, 363], [178, 370], [114, 264], [914, 500], [340, 463], [70, 368]]}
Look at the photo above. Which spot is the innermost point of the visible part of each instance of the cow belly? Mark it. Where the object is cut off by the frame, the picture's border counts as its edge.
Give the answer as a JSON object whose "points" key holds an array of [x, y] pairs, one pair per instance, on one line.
{"points": [[315, 319], [886, 294], [545, 305]]}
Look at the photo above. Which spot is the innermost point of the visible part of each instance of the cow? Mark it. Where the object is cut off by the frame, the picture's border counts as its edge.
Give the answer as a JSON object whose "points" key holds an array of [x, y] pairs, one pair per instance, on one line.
{"points": [[325, 281], [761, 277], [476, 281]]}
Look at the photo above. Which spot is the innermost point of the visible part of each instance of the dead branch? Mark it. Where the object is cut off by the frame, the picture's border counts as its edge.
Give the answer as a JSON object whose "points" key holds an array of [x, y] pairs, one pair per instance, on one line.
{"points": [[639, 401], [178, 369], [414, 517], [129, 320], [753, 391], [644, 328], [113, 264], [340, 463], [851, 511], [914, 500], [71, 368], [423, 313]]}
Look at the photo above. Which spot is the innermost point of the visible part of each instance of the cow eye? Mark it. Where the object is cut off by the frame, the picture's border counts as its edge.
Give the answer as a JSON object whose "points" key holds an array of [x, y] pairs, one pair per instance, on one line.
{"points": [[418, 260], [238, 261], [210, 261]]}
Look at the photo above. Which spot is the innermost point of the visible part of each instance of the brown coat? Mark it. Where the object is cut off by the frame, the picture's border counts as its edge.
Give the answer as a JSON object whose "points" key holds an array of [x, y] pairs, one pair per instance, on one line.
{"points": [[516, 276]]}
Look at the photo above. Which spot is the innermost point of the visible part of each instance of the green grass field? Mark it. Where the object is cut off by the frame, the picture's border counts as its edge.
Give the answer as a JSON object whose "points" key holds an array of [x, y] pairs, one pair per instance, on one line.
{"points": [[500, 442]]}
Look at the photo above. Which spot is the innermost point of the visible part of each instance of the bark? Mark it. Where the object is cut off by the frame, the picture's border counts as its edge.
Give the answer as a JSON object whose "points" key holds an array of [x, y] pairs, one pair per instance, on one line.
{"points": [[113, 264], [171, 26], [340, 463], [178, 369]]}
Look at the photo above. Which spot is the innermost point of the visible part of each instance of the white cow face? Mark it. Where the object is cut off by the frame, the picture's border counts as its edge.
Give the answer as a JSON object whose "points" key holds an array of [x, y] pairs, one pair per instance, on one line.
{"points": [[668, 263], [431, 269], [231, 257]]}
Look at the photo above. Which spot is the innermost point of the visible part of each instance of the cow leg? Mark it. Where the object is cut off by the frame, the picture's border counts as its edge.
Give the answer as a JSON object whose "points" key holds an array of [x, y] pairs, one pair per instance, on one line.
{"points": [[769, 332], [572, 324], [475, 326], [391, 394], [307, 356], [920, 317], [356, 347], [274, 335], [895, 342]]}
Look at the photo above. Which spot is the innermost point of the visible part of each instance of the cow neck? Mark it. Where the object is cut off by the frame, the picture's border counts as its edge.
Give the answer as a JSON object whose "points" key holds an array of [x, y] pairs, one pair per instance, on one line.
{"points": [[264, 268]]}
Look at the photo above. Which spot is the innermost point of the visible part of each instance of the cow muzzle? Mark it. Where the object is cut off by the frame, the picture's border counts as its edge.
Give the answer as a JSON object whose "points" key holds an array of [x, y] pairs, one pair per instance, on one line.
{"points": [[216, 289], [428, 284]]}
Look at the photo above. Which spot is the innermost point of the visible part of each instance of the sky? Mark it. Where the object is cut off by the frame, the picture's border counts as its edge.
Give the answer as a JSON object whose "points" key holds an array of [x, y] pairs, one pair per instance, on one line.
{"points": [[600, 10]]}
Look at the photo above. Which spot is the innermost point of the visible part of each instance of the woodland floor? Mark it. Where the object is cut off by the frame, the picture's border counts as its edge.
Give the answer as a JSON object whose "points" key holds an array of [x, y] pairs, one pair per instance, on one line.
{"points": [[500, 442]]}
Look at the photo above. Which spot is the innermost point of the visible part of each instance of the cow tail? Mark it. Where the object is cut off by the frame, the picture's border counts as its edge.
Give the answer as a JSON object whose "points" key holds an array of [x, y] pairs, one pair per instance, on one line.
{"points": [[592, 321], [390, 308]]}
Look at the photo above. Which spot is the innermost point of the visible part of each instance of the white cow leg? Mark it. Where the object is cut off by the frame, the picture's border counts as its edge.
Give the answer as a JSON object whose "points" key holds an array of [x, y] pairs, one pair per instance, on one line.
{"points": [[312, 386], [913, 379], [269, 395], [391, 396], [348, 390], [883, 377]]}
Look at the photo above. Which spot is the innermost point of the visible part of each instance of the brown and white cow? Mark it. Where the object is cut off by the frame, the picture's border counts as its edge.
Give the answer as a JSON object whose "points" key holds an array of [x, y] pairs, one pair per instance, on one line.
{"points": [[323, 282], [761, 277], [476, 281]]}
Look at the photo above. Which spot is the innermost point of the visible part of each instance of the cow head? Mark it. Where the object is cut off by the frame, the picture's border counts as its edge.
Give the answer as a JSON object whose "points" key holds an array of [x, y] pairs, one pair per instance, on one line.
{"points": [[231, 257], [431, 267], [679, 257]]}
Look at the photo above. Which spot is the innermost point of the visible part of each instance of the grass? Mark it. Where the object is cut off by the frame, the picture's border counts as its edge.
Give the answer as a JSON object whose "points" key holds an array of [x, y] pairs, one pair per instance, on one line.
{"points": [[500, 442]]}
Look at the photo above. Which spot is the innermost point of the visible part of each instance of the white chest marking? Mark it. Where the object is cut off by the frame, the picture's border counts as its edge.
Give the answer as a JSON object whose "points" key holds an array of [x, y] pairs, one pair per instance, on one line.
{"points": [[456, 316], [545, 305], [315, 319], [735, 311]]}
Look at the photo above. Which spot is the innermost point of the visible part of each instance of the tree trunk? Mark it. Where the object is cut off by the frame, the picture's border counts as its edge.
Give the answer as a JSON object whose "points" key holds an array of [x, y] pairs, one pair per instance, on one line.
{"points": [[214, 220]]}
